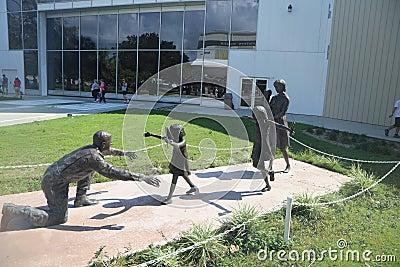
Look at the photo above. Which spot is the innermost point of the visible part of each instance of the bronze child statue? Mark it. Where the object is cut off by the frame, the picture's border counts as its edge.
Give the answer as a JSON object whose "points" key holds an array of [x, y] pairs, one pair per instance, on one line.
{"points": [[179, 165]]}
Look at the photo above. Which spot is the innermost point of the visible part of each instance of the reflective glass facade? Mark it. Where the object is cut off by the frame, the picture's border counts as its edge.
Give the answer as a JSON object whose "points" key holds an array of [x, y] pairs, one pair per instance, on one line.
{"points": [[22, 35], [113, 45]]}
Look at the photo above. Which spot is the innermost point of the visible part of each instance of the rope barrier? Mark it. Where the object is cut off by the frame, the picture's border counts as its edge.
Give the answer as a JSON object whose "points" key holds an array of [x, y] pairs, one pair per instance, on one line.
{"points": [[342, 158], [48, 164], [227, 149], [352, 196], [223, 149]]}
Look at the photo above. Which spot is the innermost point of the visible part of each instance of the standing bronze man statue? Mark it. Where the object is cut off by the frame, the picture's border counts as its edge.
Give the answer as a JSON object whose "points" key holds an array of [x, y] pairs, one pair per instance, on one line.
{"points": [[279, 105], [77, 166]]}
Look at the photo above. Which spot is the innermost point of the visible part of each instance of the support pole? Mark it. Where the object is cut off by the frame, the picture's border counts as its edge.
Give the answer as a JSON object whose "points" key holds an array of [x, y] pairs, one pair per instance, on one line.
{"points": [[288, 218]]}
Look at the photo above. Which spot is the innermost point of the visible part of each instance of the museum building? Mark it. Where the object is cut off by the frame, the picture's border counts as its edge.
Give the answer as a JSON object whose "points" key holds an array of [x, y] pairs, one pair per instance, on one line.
{"points": [[331, 53]]}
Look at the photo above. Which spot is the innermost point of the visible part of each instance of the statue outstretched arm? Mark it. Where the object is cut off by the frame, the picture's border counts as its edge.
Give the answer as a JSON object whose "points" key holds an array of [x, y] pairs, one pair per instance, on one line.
{"points": [[120, 153]]}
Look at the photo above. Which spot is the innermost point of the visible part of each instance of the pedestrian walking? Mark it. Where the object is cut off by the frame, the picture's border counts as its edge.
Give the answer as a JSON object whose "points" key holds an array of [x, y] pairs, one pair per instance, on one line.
{"points": [[17, 87], [103, 89], [396, 114]]}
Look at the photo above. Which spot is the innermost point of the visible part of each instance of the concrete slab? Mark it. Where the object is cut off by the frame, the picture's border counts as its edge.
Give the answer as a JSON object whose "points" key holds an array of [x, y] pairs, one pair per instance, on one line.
{"points": [[129, 216]]}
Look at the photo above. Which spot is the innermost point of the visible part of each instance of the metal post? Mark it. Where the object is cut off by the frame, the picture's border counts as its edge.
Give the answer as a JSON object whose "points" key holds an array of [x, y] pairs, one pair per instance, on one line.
{"points": [[288, 218]]}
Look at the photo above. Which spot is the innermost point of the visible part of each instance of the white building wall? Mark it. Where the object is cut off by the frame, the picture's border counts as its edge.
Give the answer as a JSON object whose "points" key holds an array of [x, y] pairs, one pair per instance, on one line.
{"points": [[10, 60], [290, 46], [4, 27], [13, 61]]}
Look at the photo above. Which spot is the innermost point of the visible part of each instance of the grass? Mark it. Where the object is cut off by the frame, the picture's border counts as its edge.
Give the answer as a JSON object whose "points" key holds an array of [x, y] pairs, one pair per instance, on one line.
{"points": [[368, 222]]}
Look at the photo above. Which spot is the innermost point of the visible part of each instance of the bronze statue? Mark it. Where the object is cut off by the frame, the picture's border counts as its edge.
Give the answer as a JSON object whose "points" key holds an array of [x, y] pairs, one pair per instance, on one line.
{"points": [[179, 165], [279, 105], [77, 166], [262, 149]]}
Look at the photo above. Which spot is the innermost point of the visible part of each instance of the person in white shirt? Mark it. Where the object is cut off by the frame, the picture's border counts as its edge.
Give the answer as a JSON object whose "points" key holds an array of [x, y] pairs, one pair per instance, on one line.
{"points": [[396, 114]]}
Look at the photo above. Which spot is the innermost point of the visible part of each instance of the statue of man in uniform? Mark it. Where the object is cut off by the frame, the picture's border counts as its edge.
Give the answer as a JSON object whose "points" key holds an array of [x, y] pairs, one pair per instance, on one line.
{"points": [[77, 166]]}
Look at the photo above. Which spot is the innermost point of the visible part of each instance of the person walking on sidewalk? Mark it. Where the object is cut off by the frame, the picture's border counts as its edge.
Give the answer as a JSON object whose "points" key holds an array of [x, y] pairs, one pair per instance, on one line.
{"points": [[95, 90], [17, 87], [4, 84], [102, 91], [124, 89], [77, 166], [396, 114]]}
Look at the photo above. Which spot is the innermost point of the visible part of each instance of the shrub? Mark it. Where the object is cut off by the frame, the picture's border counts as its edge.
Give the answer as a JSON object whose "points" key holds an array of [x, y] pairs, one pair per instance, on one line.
{"points": [[333, 135], [310, 130], [204, 254], [320, 131], [305, 205], [361, 181], [248, 237]]}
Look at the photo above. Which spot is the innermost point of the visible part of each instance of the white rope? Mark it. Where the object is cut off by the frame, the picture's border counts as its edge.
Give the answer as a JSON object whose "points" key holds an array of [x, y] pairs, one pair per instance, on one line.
{"points": [[25, 166], [343, 158], [48, 164], [349, 197], [216, 148], [276, 207]]}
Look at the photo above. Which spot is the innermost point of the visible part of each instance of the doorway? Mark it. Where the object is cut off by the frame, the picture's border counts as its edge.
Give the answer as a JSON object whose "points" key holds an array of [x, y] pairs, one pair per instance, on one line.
{"points": [[251, 90]]}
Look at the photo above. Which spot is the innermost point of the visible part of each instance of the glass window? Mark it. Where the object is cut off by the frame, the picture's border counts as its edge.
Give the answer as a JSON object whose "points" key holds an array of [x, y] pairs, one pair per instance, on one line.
{"points": [[127, 69], [191, 74], [29, 5], [246, 92], [13, 5], [30, 30], [171, 30], [194, 28], [54, 71], [71, 71], [214, 80], [244, 23], [107, 69], [128, 31], [14, 30], [71, 33], [54, 33], [149, 30], [107, 31], [217, 23], [88, 70], [31, 69], [89, 32], [170, 73], [148, 66]]}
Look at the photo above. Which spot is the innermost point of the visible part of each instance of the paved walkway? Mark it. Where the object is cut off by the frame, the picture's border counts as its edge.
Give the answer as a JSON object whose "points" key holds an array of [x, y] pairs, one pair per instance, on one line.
{"points": [[36, 108], [130, 217]]}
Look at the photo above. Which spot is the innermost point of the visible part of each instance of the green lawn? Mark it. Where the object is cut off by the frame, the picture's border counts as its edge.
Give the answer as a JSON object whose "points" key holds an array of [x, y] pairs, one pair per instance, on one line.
{"points": [[369, 222]]}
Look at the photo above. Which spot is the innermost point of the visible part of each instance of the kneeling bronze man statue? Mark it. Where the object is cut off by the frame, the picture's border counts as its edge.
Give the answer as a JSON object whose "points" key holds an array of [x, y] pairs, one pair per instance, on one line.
{"points": [[77, 166]]}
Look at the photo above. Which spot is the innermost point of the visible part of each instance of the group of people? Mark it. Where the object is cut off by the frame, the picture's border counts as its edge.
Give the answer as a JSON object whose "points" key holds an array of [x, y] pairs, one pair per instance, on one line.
{"points": [[99, 91], [16, 85]]}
